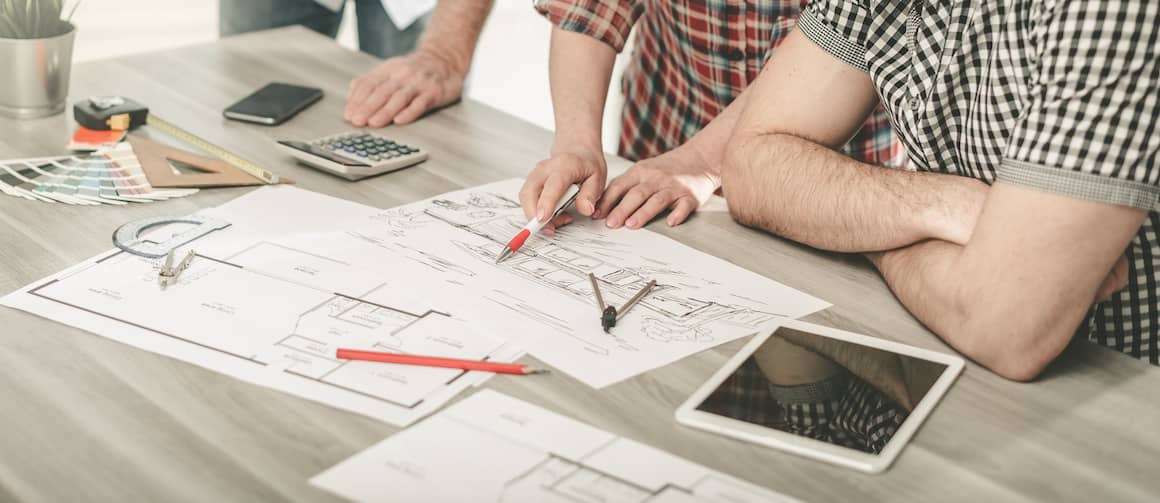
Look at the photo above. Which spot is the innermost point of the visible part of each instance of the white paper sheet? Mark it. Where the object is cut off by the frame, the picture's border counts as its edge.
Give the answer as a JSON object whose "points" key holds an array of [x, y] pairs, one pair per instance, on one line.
{"points": [[298, 273], [449, 243], [492, 447], [239, 310]]}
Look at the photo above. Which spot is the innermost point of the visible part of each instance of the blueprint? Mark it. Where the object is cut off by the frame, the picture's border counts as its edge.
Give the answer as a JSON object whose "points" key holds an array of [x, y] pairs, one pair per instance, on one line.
{"points": [[240, 310], [700, 301], [492, 447], [298, 274]]}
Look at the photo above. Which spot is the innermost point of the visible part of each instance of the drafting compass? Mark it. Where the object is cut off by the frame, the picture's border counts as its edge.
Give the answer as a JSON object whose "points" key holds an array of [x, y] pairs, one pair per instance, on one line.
{"points": [[168, 273], [609, 314], [131, 238]]}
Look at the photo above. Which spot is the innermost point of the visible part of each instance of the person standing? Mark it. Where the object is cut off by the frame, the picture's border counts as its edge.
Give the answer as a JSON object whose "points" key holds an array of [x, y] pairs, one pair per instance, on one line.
{"points": [[691, 60], [378, 33]]}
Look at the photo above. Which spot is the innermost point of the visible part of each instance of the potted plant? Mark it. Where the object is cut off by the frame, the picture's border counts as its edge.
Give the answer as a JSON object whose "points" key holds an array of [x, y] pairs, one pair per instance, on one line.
{"points": [[36, 43]]}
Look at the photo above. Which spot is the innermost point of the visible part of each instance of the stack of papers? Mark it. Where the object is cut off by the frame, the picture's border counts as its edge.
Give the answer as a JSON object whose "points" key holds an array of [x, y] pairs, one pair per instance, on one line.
{"points": [[298, 274]]}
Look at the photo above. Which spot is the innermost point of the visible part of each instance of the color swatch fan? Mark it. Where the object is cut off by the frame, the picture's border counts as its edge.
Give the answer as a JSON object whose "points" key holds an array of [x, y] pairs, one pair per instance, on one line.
{"points": [[109, 176]]}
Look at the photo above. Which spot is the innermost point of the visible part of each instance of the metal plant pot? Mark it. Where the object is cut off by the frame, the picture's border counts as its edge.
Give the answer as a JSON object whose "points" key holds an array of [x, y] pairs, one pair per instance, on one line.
{"points": [[34, 75]]}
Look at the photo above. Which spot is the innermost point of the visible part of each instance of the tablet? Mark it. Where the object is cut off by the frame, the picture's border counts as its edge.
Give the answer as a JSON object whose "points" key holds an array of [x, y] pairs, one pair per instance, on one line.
{"points": [[823, 393]]}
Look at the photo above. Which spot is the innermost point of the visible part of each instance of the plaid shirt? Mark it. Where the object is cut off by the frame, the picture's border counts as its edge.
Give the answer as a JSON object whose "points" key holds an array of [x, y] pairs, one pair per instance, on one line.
{"points": [[1060, 97], [842, 410], [691, 59]]}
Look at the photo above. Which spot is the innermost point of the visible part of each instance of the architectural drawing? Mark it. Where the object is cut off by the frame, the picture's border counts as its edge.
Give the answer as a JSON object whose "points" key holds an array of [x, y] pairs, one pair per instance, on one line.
{"points": [[297, 272], [564, 263], [277, 331], [525, 454], [698, 302]]}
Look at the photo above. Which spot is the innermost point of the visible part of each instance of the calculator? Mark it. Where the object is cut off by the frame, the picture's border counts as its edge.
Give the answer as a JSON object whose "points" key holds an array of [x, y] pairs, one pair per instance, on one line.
{"points": [[354, 155]]}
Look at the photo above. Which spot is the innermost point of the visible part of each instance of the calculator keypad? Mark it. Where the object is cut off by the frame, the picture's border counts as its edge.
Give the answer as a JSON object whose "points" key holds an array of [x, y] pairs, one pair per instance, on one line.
{"points": [[365, 147]]}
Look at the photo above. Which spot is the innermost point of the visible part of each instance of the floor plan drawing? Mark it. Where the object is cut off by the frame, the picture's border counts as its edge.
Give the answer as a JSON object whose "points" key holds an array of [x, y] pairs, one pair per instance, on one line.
{"points": [[274, 315], [525, 454], [270, 326], [297, 273]]}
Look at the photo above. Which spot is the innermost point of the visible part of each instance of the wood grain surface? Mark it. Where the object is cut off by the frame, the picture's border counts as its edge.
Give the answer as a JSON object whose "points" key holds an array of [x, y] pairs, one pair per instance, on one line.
{"points": [[88, 419]]}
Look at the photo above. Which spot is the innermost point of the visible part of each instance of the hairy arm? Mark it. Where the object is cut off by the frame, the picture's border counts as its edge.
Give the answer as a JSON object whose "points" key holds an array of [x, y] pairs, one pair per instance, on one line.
{"points": [[882, 369], [454, 31], [781, 174], [402, 89], [1013, 297]]}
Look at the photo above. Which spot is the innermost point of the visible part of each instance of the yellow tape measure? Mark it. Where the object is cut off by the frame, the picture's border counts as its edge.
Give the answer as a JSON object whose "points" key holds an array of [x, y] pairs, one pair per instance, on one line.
{"points": [[254, 170], [118, 112]]}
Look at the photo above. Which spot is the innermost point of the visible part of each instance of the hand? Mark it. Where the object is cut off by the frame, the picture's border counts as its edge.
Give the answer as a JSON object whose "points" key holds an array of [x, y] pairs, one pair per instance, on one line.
{"points": [[960, 210], [680, 180], [547, 183], [1117, 279], [401, 89]]}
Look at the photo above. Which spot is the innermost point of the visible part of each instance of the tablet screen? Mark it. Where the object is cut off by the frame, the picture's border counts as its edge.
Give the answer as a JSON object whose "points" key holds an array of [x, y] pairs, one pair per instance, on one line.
{"points": [[827, 389]]}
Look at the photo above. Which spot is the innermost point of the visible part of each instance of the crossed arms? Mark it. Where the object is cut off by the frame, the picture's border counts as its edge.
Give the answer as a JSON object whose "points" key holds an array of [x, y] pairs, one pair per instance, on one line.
{"points": [[1005, 274]]}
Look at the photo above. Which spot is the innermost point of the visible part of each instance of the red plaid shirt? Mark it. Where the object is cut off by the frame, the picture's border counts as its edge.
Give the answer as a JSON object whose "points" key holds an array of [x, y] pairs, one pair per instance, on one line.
{"points": [[691, 59]]}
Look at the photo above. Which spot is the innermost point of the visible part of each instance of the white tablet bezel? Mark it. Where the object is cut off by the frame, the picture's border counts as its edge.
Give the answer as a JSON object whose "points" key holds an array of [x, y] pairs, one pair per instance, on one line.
{"points": [[688, 414]]}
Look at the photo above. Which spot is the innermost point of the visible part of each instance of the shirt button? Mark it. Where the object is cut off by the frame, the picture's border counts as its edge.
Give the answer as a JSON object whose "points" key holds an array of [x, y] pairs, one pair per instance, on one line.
{"points": [[736, 55], [915, 104]]}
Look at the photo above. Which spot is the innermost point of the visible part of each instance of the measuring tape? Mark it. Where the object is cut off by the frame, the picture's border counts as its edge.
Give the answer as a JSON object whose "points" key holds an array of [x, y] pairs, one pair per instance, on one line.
{"points": [[254, 170], [116, 112]]}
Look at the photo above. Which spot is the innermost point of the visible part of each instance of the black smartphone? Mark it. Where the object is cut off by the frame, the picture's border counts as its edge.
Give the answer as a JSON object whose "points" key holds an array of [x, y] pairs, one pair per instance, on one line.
{"points": [[273, 104]]}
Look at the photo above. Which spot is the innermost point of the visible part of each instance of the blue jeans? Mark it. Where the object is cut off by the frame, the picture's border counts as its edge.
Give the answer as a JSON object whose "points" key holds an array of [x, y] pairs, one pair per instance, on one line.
{"points": [[376, 32]]}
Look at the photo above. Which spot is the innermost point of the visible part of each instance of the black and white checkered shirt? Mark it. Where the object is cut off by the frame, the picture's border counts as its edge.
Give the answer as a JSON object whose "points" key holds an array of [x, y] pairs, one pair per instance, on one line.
{"points": [[1059, 96], [842, 410]]}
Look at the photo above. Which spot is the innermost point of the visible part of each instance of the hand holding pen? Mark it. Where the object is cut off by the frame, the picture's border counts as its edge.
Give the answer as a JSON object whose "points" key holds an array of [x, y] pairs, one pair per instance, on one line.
{"points": [[535, 224]]}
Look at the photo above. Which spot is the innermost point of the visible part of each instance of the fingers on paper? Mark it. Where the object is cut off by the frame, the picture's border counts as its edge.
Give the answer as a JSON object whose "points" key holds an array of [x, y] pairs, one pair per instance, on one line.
{"points": [[530, 192], [655, 204], [554, 188], [629, 203], [684, 207]]}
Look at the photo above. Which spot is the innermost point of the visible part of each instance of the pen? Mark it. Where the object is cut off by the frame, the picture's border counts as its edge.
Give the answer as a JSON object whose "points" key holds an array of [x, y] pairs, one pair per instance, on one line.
{"points": [[534, 225], [435, 361]]}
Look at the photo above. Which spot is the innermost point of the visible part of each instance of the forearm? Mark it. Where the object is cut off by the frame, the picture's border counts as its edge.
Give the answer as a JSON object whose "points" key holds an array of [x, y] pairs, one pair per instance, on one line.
{"points": [[998, 321], [454, 31], [711, 141], [579, 68], [808, 193], [881, 369]]}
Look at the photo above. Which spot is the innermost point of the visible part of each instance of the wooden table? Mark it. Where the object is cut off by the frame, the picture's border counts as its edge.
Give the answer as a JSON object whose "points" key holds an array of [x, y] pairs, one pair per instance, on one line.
{"points": [[87, 418]]}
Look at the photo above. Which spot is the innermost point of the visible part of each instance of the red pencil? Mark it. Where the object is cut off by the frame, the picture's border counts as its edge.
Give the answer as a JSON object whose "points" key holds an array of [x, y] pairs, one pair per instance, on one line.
{"points": [[435, 361]]}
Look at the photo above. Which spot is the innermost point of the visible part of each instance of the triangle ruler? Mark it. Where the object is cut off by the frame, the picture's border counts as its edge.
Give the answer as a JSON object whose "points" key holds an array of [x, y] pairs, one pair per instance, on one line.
{"points": [[157, 160]]}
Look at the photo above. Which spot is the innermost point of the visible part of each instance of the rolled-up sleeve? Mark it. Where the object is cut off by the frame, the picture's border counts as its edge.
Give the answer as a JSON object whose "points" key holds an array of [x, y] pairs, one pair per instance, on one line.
{"points": [[839, 27], [1091, 128], [608, 21]]}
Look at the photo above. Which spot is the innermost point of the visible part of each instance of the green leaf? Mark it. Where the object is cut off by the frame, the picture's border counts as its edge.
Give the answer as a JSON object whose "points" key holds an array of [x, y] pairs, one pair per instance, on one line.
{"points": [[35, 18], [73, 11]]}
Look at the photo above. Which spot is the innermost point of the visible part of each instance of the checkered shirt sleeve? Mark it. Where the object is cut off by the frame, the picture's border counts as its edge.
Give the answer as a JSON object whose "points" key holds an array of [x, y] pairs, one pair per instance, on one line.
{"points": [[840, 27], [1090, 129], [609, 21], [843, 410]]}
